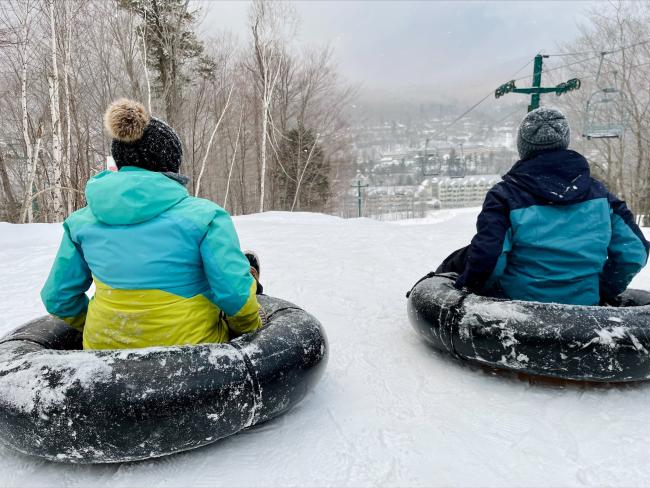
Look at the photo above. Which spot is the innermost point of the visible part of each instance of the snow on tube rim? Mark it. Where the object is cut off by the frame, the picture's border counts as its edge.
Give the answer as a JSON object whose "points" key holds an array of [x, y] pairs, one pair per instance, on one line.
{"points": [[118, 405], [581, 343]]}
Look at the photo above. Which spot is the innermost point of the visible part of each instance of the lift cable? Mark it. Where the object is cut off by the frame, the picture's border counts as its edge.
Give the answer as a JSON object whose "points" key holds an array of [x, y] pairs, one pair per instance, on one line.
{"points": [[612, 51], [464, 114], [599, 55]]}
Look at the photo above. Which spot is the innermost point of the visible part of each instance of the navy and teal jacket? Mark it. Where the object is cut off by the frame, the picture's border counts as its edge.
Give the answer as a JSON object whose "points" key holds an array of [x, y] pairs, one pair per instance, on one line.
{"points": [[167, 267], [549, 232]]}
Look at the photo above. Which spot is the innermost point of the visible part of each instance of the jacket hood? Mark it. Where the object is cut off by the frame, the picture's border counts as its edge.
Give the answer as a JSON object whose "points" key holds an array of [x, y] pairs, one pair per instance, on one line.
{"points": [[131, 195], [560, 176]]}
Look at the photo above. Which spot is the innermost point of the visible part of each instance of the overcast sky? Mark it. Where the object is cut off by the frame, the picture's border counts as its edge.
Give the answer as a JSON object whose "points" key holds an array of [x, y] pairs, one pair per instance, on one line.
{"points": [[425, 50]]}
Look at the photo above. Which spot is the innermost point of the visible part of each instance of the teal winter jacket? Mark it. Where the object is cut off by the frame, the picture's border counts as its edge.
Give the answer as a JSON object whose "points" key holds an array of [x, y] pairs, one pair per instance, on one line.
{"points": [[549, 232], [167, 267]]}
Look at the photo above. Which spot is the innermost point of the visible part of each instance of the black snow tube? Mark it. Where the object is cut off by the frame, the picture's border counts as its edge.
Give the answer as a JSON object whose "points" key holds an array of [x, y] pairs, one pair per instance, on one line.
{"points": [[69, 405], [601, 344]]}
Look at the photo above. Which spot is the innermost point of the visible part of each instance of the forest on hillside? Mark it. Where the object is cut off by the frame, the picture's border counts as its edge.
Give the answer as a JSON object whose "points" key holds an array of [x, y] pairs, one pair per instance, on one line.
{"points": [[265, 121]]}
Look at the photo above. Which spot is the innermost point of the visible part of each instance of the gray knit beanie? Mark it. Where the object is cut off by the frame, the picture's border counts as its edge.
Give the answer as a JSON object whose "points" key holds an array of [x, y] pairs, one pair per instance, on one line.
{"points": [[140, 139], [541, 130]]}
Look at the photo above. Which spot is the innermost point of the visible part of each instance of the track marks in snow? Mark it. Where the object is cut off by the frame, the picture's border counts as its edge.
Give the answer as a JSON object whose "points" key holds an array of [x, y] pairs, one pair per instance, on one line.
{"points": [[390, 410]]}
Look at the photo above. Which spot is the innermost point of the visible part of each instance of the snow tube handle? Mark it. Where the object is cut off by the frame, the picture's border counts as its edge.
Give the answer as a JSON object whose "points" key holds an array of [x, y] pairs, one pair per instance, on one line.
{"points": [[431, 274]]}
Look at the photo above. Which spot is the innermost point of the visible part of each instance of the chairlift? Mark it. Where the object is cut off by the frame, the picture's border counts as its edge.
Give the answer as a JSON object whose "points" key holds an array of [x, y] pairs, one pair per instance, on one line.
{"points": [[458, 167], [604, 115], [431, 164], [604, 111]]}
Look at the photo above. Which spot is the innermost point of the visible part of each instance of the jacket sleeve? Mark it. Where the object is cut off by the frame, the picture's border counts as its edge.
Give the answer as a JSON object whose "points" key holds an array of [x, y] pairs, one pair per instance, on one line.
{"points": [[64, 292], [627, 252], [488, 245], [228, 273]]}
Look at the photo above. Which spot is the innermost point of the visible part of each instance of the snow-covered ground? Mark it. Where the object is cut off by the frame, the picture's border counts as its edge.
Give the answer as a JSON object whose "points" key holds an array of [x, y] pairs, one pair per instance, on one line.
{"points": [[390, 411]]}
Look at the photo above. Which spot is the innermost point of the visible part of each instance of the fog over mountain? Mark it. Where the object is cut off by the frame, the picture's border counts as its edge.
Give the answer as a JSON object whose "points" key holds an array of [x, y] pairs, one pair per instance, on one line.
{"points": [[425, 50]]}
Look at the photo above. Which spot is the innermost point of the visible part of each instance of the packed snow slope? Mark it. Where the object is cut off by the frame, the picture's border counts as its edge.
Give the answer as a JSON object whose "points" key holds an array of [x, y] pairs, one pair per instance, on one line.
{"points": [[390, 410]]}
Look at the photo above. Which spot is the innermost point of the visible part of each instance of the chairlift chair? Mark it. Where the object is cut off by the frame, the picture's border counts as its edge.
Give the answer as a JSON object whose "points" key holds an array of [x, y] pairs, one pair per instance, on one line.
{"points": [[431, 164], [604, 111], [458, 168], [604, 115]]}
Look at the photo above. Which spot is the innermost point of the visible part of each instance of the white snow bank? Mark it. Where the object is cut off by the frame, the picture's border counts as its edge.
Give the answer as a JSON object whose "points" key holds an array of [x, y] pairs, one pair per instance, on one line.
{"points": [[441, 216], [390, 411]]}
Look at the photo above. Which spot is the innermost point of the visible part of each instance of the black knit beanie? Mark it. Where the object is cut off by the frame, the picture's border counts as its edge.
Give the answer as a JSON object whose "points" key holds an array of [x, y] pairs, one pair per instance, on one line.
{"points": [[141, 140]]}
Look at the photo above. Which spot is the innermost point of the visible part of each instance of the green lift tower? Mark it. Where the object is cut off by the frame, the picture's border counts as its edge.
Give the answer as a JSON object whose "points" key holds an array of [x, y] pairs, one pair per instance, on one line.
{"points": [[537, 89]]}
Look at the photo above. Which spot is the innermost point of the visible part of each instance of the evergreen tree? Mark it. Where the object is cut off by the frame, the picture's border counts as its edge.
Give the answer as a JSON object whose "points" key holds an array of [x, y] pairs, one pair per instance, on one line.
{"points": [[302, 165], [171, 43]]}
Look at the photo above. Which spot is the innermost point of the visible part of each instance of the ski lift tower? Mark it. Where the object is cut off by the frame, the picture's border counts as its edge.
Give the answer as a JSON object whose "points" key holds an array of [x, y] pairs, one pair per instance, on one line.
{"points": [[536, 90], [359, 186]]}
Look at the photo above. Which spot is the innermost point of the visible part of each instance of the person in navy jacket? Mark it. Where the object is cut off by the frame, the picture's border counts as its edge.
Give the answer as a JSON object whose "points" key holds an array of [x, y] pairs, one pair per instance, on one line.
{"points": [[549, 232]]}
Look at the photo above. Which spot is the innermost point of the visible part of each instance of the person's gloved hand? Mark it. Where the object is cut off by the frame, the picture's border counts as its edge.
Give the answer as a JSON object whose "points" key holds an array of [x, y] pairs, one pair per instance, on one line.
{"points": [[606, 301], [255, 274]]}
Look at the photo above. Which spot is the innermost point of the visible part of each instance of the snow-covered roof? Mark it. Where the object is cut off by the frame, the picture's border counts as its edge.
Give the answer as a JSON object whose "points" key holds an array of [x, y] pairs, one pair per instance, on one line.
{"points": [[467, 180]]}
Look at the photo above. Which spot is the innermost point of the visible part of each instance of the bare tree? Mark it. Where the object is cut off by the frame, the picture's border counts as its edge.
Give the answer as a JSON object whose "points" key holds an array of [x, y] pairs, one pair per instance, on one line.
{"points": [[616, 38], [234, 154], [67, 60], [272, 25], [55, 113], [214, 132], [5, 185], [24, 24]]}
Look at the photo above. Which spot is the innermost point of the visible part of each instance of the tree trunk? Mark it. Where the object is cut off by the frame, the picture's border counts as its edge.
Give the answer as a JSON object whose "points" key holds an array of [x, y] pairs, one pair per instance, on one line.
{"points": [[66, 84], [265, 118], [58, 210], [12, 204], [25, 118]]}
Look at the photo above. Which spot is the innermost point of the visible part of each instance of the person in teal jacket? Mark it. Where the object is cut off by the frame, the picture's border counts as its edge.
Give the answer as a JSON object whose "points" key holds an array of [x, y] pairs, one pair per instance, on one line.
{"points": [[167, 267], [549, 232]]}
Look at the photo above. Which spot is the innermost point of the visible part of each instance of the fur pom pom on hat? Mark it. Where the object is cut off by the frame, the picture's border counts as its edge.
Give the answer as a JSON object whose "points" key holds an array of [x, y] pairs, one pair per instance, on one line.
{"points": [[140, 139], [125, 120]]}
